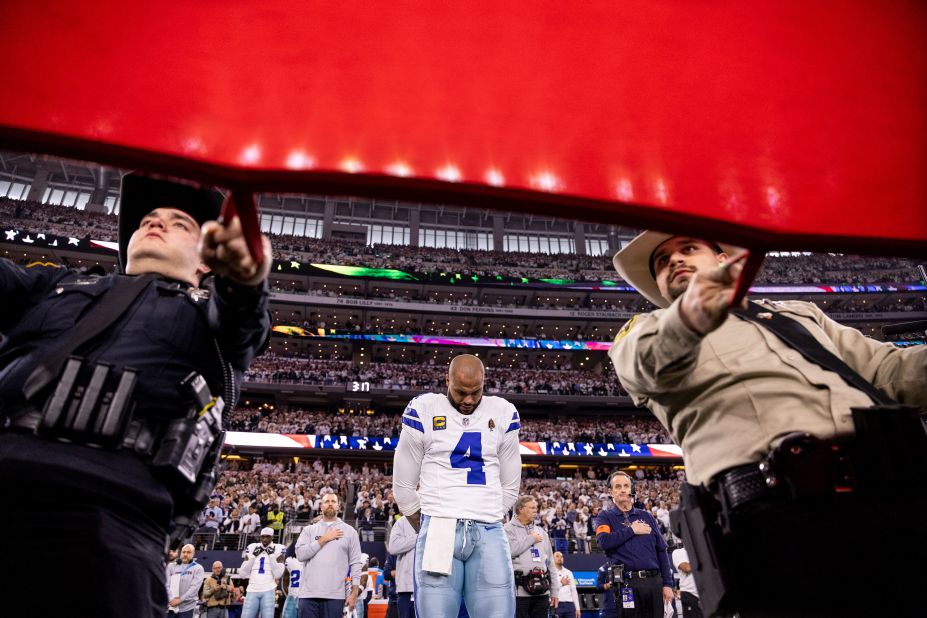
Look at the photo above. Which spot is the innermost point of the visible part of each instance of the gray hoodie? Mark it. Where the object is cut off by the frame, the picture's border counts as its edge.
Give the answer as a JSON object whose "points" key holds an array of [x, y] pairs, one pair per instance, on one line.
{"points": [[325, 567], [402, 539], [524, 559], [191, 578]]}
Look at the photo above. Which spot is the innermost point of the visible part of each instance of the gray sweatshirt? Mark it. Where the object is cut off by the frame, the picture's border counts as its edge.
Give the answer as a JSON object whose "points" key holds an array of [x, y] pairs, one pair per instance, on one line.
{"points": [[521, 544], [191, 578], [402, 539], [325, 567]]}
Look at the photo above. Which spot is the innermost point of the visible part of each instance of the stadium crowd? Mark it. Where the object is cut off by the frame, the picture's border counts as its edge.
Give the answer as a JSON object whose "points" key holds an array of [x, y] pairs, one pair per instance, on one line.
{"points": [[273, 494], [817, 268], [273, 368], [623, 430]]}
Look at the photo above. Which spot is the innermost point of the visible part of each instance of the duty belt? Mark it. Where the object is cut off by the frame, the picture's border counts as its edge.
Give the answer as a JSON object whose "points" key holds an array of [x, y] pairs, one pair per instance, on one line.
{"points": [[141, 435], [641, 574], [798, 466], [742, 485]]}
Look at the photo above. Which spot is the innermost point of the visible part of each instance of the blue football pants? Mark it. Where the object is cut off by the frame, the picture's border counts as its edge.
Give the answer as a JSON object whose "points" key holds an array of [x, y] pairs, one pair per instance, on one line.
{"points": [[481, 574]]}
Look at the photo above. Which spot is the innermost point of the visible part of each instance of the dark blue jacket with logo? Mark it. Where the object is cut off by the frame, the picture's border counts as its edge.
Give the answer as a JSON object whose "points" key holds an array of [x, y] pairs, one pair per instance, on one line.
{"points": [[637, 552]]}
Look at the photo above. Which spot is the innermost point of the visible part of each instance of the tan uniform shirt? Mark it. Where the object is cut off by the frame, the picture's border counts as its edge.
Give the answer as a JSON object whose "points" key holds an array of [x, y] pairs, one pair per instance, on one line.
{"points": [[724, 397]]}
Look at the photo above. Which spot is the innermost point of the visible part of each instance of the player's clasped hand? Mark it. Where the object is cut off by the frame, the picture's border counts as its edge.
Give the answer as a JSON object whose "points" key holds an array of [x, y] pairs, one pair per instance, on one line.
{"points": [[640, 527], [706, 301], [224, 250]]}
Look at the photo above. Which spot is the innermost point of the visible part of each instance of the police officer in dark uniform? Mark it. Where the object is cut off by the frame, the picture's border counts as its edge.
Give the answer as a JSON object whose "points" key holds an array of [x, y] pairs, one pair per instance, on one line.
{"points": [[111, 392], [630, 536], [604, 584]]}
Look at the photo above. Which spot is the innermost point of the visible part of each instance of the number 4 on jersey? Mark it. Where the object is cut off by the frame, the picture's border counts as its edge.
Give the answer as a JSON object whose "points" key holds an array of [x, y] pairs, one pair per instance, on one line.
{"points": [[468, 454]]}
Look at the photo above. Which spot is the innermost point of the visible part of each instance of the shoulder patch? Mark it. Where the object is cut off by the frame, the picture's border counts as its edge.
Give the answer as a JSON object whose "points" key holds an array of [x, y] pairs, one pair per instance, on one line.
{"points": [[438, 423], [626, 328]]}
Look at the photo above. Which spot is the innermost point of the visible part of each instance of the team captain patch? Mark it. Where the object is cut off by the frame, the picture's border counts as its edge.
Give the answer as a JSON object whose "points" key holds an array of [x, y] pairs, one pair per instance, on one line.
{"points": [[439, 422]]}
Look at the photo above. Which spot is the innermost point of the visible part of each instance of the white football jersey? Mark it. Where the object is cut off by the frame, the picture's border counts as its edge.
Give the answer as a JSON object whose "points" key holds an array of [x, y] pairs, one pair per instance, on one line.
{"points": [[263, 572], [465, 466], [295, 568]]}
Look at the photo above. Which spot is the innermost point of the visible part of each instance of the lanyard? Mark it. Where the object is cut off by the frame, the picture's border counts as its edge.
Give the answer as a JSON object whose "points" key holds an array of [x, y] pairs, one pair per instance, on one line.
{"points": [[187, 568]]}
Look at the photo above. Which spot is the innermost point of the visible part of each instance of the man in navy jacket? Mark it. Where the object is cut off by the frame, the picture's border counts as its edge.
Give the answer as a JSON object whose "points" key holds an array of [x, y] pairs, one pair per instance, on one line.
{"points": [[630, 536]]}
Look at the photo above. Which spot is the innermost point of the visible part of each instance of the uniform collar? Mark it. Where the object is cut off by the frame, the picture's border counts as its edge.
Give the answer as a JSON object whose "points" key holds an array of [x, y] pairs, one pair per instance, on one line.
{"points": [[633, 511]]}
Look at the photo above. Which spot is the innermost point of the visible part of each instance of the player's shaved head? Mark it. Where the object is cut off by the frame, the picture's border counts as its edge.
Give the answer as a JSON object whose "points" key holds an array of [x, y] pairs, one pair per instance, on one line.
{"points": [[465, 383], [466, 366]]}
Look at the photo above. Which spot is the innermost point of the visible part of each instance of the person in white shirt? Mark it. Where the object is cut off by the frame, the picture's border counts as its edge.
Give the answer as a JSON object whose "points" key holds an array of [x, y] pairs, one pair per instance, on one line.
{"points": [[263, 571], [456, 472], [184, 579], [250, 521], [569, 596], [688, 593], [360, 607]]}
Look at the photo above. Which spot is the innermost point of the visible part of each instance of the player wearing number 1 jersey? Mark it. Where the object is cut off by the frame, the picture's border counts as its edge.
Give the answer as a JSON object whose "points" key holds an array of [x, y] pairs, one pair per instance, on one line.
{"points": [[456, 472], [263, 571]]}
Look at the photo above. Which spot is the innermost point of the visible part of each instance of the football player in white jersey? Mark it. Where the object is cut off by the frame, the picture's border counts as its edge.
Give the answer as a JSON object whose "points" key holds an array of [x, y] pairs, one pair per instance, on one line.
{"points": [[263, 571], [456, 472], [294, 571]]}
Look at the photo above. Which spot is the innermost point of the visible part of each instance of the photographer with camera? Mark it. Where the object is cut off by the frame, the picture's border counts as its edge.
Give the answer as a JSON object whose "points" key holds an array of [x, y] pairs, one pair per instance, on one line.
{"points": [[106, 379], [536, 589], [184, 578], [630, 537], [608, 580], [217, 592], [263, 571]]}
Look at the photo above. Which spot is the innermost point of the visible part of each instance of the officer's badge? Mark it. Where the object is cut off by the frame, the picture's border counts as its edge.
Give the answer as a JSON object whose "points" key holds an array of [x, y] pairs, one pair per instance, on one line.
{"points": [[492, 424], [438, 423], [198, 294], [626, 328]]}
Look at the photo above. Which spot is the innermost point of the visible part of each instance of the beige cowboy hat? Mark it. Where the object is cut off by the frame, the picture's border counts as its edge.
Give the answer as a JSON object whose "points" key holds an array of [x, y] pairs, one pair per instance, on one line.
{"points": [[633, 263]]}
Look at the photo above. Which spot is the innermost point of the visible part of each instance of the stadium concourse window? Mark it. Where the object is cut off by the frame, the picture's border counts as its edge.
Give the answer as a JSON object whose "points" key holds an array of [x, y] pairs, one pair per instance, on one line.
{"points": [[538, 244], [378, 234], [456, 239], [291, 226], [597, 246], [70, 198], [14, 190]]}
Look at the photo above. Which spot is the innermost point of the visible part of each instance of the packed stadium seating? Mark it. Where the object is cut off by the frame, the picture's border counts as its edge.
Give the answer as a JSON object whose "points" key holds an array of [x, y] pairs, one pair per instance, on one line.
{"points": [[626, 430], [818, 268]]}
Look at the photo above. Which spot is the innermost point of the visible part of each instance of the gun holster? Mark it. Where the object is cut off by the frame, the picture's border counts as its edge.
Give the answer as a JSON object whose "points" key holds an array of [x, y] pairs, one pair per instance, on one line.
{"points": [[188, 457], [696, 522]]}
